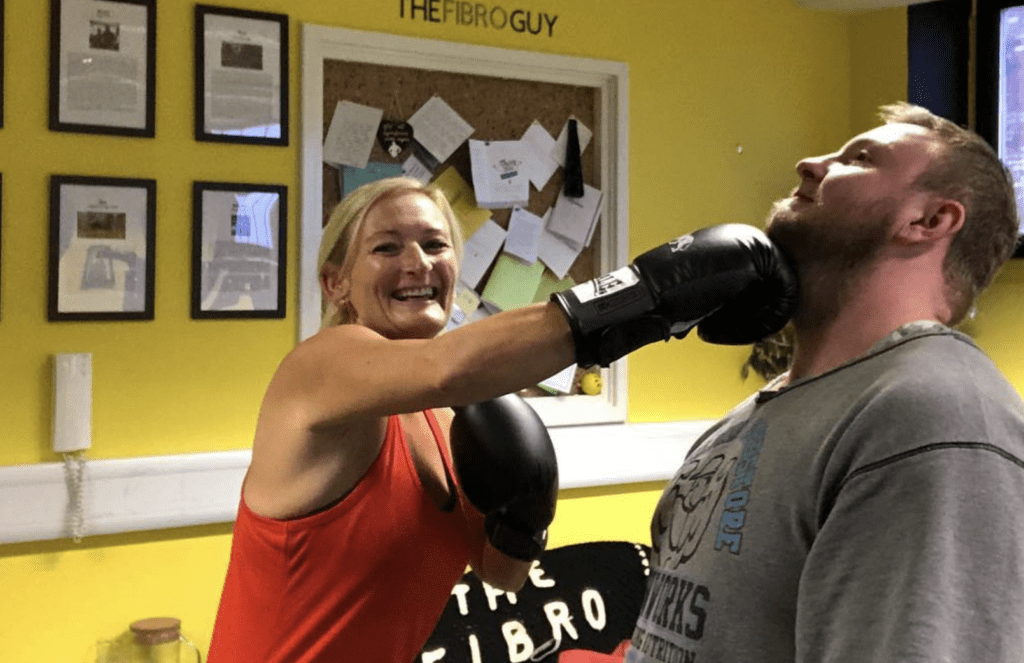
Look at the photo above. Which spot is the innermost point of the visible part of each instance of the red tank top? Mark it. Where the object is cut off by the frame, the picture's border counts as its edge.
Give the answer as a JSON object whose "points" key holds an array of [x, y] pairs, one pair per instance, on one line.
{"points": [[365, 580]]}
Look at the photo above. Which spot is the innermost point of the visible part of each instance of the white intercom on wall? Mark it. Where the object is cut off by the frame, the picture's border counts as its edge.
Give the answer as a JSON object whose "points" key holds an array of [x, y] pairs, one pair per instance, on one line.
{"points": [[72, 402], [72, 428]]}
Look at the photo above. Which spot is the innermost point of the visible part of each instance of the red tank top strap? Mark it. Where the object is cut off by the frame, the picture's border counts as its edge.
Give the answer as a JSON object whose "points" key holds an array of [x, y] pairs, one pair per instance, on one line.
{"points": [[435, 427], [449, 471]]}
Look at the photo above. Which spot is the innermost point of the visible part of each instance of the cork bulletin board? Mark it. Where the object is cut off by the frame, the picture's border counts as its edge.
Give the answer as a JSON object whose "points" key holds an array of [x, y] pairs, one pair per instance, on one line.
{"points": [[497, 108], [500, 93]]}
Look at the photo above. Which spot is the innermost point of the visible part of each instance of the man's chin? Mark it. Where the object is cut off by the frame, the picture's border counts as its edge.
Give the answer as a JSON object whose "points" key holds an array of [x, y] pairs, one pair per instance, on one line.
{"points": [[786, 229], [781, 212]]}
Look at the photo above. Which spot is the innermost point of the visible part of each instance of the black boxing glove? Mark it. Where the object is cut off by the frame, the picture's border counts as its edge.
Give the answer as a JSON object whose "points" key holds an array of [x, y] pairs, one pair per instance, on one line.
{"points": [[669, 290], [506, 465], [761, 310]]}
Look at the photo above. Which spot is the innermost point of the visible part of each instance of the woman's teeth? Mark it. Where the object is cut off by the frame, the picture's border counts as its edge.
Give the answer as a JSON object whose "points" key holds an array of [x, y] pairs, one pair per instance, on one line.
{"points": [[409, 293]]}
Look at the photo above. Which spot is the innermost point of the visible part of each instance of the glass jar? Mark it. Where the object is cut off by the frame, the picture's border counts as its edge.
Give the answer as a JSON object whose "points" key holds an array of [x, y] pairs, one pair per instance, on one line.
{"points": [[159, 640]]}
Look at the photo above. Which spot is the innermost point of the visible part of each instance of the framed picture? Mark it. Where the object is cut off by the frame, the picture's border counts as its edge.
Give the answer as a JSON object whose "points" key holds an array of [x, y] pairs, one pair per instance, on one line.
{"points": [[241, 76], [102, 247], [103, 66], [238, 250]]}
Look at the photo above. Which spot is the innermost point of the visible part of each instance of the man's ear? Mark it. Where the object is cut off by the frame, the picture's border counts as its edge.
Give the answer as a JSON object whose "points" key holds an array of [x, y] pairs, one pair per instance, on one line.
{"points": [[938, 219]]}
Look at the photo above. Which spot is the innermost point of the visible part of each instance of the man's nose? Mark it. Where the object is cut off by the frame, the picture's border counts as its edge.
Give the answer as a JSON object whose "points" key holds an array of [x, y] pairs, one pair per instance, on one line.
{"points": [[813, 168]]}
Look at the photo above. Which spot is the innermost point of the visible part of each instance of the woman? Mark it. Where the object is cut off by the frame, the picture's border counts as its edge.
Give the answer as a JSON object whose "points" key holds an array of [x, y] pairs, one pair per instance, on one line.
{"points": [[351, 530]]}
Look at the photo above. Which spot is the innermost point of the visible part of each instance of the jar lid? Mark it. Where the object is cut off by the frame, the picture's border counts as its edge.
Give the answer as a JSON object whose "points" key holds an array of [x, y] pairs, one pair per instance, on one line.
{"points": [[156, 630]]}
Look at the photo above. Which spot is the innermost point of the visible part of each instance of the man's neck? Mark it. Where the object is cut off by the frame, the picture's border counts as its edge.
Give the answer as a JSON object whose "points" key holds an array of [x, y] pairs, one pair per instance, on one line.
{"points": [[834, 327]]}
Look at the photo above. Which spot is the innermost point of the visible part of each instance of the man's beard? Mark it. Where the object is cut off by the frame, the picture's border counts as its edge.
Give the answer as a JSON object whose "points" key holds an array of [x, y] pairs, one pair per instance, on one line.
{"points": [[846, 243], [829, 251]]}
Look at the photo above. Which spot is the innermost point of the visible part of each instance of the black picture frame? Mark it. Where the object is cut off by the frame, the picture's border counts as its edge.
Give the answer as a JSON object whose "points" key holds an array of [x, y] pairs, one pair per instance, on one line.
{"points": [[99, 226], [255, 62], [97, 84], [239, 250]]}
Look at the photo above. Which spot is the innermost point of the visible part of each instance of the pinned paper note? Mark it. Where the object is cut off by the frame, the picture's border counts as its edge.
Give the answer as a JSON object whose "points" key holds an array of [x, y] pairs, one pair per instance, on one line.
{"points": [[351, 134], [554, 251], [585, 134], [538, 145], [560, 382], [512, 284], [439, 129], [351, 178], [524, 229], [479, 314], [425, 157], [479, 251], [499, 180], [414, 168], [574, 219], [464, 306], [460, 197], [456, 319]]}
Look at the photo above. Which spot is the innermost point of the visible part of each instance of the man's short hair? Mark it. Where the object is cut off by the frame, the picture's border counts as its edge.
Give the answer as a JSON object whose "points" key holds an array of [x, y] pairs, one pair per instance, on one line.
{"points": [[969, 171]]}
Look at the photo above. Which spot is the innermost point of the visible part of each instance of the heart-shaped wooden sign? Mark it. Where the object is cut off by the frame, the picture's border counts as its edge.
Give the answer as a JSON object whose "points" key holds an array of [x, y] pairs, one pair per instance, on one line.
{"points": [[394, 136]]}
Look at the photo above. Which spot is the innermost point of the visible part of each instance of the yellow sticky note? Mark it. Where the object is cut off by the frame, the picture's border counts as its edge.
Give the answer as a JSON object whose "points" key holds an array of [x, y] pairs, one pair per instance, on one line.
{"points": [[471, 218], [513, 284], [466, 299], [460, 196], [451, 184]]}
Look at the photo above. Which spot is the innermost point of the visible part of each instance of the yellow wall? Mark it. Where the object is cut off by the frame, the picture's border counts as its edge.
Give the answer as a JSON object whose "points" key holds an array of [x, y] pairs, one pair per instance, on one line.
{"points": [[706, 78], [878, 46]]}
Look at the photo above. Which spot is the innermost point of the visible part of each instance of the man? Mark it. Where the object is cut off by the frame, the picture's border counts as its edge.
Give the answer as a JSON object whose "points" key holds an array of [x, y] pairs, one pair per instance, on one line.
{"points": [[868, 505]]}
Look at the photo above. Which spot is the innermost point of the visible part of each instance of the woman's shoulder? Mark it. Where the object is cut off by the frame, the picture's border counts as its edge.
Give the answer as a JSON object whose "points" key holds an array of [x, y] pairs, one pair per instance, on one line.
{"points": [[328, 338], [322, 360]]}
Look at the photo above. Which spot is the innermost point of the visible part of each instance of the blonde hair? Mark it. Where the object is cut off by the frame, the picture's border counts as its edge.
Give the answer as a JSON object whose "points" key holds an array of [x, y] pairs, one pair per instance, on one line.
{"points": [[346, 221]]}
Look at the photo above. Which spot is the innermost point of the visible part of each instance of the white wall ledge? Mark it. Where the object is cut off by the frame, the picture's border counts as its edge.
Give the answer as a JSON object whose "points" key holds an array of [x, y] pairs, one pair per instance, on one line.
{"points": [[157, 492]]}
